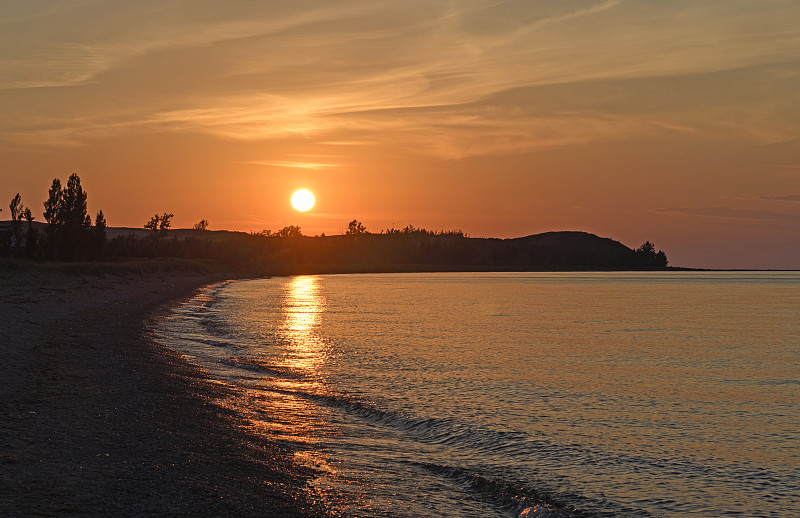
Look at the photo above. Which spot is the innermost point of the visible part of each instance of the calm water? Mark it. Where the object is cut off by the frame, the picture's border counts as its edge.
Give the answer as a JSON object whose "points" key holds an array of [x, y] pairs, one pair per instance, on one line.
{"points": [[519, 394]]}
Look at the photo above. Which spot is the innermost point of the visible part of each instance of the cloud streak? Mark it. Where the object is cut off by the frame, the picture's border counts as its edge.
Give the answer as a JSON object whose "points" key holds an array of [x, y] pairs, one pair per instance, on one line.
{"points": [[788, 197], [730, 213], [366, 72], [81, 57], [293, 165]]}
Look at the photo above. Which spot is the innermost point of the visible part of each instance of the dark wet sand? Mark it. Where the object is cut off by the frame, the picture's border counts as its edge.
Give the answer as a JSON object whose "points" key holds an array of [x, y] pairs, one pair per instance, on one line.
{"points": [[96, 419]]}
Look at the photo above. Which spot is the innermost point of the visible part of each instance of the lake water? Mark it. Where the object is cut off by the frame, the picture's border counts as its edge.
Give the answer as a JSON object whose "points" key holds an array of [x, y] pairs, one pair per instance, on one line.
{"points": [[518, 394]]}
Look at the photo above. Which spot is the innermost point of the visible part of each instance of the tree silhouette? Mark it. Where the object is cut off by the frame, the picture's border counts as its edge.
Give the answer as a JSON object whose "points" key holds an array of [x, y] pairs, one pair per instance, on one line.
{"points": [[99, 234], [52, 210], [74, 218], [159, 224], [646, 256], [17, 211], [68, 231], [355, 228], [201, 225], [31, 236], [153, 223], [17, 208], [52, 207], [166, 222], [290, 231], [647, 249]]}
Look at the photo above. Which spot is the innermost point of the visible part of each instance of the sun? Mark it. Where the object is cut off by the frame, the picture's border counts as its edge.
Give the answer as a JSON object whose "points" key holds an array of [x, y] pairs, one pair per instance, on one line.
{"points": [[302, 200]]}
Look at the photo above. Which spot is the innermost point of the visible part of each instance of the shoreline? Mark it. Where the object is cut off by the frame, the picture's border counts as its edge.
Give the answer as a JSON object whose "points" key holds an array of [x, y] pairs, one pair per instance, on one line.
{"points": [[97, 419]]}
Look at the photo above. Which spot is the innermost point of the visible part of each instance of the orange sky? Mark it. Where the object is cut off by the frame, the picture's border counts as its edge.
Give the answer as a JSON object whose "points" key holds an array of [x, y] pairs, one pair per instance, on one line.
{"points": [[673, 121]]}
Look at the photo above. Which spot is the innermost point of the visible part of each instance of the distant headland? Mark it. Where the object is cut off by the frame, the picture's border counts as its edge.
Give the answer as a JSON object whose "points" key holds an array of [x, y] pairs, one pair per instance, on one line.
{"points": [[68, 235]]}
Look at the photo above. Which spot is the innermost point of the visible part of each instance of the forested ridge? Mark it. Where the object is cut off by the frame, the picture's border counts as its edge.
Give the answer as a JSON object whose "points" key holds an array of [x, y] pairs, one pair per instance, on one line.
{"points": [[69, 235]]}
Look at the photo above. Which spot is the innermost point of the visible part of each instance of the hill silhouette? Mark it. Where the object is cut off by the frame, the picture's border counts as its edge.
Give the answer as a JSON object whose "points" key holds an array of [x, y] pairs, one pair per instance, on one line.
{"points": [[69, 235], [410, 250], [568, 249], [418, 250]]}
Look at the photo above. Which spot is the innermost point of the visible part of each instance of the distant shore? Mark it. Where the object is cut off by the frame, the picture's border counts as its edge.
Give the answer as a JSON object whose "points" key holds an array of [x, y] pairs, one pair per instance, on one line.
{"points": [[98, 420]]}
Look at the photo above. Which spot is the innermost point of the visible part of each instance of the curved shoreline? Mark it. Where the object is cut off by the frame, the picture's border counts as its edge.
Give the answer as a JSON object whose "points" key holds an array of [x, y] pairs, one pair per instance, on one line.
{"points": [[97, 419]]}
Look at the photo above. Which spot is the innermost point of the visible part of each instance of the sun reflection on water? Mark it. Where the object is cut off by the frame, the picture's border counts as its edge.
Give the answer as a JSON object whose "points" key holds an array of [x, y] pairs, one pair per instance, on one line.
{"points": [[302, 307], [280, 403]]}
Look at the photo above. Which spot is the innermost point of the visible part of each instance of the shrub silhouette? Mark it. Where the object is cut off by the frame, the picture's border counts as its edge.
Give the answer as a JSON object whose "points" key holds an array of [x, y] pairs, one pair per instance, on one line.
{"points": [[201, 225], [355, 228]]}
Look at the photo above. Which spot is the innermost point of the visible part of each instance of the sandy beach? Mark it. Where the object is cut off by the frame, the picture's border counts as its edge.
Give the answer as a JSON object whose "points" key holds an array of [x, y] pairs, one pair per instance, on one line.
{"points": [[98, 420]]}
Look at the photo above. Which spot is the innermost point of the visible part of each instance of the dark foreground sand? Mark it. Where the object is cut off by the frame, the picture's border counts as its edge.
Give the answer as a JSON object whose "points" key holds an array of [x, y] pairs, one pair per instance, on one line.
{"points": [[96, 419]]}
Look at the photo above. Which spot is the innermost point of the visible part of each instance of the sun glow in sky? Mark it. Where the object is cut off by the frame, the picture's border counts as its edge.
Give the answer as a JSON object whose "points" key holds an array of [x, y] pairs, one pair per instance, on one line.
{"points": [[675, 121], [302, 200]]}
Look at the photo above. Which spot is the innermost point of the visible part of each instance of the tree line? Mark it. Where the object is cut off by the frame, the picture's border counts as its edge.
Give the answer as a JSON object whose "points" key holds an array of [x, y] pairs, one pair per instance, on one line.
{"points": [[70, 235]]}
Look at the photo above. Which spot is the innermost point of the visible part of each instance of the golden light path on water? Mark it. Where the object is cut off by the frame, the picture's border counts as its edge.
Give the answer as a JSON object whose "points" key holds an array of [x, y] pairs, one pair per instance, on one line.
{"points": [[278, 375], [302, 307]]}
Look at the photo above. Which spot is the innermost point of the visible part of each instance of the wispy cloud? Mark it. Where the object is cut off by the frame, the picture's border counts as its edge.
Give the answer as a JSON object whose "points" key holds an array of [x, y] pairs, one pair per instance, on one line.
{"points": [[293, 165], [81, 57], [753, 197], [788, 197], [366, 72], [730, 212], [556, 19], [456, 134]]}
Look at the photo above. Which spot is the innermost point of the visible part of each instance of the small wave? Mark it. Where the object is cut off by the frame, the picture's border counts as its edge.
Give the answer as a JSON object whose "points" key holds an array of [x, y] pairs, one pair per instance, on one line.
{"points": [[363, 409], [527, 501], [524, 502], [214, 326], [201, 309], [207, 296], [254, 365], [432, 430], [207, 341]]}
